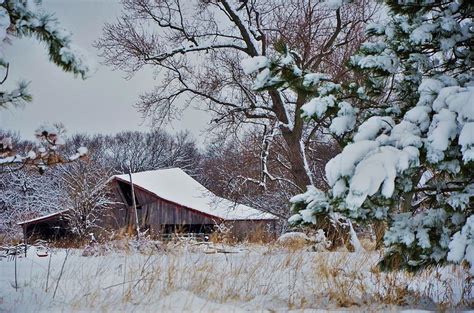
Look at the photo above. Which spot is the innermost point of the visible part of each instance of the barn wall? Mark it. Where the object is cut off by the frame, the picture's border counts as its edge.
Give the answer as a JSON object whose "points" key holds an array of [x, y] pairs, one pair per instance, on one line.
{"points": [[116, 217], [163, 212]]}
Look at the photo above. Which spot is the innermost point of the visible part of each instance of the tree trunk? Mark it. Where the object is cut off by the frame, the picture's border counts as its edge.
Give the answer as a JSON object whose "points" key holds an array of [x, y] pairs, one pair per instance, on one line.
{"points": [[379, 228], [297, 161], [292, 136]]}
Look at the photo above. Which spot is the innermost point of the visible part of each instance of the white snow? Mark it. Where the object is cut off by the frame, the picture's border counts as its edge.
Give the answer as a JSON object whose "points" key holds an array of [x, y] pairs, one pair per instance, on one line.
{"points": [[254, 64], [423, 33], [31, 155], [43, 217], [186, 278], [293, 236], [314, 198], [405, 134], [440, 101], [339, 188], [373, 127], [79, 59], [462, 103], [462, 245], [318, 106], [354, 240], [312, 79], [342, 124], [334, 4], [294, 219], [308, 216], [4, 24], [80, 152], [378, 171], [318, 240], [419, 116], [442, 130], [385, 62], [262, 79], [466, 140], [178, 187], [344, 163], [7, 143], [345, 120]]}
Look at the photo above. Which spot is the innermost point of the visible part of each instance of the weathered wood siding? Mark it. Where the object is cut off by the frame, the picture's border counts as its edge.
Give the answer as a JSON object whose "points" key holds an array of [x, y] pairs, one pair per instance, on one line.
{"points": [[117, 216], [163, 212]]}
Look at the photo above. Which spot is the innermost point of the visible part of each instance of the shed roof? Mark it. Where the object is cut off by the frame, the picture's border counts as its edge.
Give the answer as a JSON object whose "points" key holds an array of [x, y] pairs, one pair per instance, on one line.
{"points": [[43, 218], [176, 186]]}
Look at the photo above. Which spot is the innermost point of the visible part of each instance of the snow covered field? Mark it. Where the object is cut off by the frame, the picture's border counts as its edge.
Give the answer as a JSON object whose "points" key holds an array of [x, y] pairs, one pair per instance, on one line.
{"points": [[196, 278]]}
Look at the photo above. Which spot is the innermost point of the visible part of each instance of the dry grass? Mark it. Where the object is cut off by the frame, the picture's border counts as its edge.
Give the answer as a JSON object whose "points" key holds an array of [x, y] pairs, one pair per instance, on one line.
{"points": [[368, 244], [293, 244], [261, 276]]}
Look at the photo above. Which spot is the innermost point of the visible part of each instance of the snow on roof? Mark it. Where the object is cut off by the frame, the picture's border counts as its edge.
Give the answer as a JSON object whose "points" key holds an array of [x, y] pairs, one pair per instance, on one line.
{"points": [[176, 186], [44, 217]]}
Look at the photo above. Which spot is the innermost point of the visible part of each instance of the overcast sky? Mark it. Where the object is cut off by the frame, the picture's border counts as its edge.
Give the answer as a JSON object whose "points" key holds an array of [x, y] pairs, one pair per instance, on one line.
{"points": [[100, 104]]}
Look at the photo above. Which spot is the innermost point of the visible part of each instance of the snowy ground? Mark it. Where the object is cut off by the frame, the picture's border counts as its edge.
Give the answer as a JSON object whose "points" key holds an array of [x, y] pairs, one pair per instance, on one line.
{"points": [[193, 278]]}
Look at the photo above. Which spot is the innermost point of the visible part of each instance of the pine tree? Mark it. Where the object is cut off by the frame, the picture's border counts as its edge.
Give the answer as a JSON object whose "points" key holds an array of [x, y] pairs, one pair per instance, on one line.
{"points": [[20, 18], [410, 162]]}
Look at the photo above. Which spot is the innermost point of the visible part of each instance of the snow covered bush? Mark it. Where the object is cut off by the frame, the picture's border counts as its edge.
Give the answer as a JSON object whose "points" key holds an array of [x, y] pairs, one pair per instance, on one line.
{"points": [[410, 161]]}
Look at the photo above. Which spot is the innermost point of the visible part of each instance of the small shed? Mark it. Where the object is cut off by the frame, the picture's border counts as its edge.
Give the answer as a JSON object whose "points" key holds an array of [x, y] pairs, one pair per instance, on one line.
{"points": [[169, 200], [52, 226]]}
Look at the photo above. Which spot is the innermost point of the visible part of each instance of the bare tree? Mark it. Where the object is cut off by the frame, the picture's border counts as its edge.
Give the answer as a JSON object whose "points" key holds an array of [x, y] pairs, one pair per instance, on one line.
{"points": [[231, 168], [197, 47], [146, 150], [87, 196], [26, 194], [150, 151]]}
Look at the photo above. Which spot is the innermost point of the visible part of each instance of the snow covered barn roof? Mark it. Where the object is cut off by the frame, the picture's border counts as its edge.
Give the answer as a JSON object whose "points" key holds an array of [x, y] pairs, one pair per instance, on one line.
{"points": [[176, 186]]}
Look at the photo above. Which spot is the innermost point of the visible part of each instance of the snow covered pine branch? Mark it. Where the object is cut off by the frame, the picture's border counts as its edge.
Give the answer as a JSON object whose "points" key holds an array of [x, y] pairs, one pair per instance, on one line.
{"points": [[410, 162], [21, 18], [45, 154]]}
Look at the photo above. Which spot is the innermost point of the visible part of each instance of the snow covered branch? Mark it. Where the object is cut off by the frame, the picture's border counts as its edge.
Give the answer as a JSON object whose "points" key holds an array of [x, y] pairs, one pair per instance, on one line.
{"points": [[20, 18], [45, 154], [409, 164]]}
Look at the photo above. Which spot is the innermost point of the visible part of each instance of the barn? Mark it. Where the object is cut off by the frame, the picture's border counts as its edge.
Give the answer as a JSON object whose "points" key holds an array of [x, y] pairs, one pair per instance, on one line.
{"points": [[169, 201]]}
